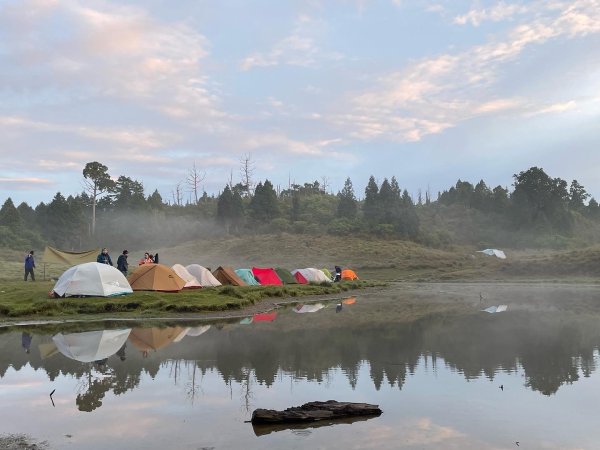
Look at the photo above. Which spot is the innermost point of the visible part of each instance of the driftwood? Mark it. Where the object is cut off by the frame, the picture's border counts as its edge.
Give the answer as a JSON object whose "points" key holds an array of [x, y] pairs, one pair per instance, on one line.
{"points": [[314, 412]]}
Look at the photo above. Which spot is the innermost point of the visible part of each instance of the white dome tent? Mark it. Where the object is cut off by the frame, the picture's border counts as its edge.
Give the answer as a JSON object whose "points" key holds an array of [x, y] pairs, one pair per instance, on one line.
{"points": [[191, 282], [93, 280], [203, 275]]}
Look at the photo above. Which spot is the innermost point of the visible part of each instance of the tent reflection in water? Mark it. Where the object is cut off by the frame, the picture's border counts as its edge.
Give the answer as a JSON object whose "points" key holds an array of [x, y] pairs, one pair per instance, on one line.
{"points": [[302, 309], [91, 345], [146, 339]]}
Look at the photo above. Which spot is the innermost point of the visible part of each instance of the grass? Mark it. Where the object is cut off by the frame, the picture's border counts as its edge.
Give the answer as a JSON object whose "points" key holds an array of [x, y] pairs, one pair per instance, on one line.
{"points": [[20, 300]]}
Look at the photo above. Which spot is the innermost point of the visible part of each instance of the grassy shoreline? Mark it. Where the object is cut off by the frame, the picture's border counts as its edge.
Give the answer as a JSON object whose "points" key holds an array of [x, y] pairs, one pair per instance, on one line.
{"points": [[30, 301]]}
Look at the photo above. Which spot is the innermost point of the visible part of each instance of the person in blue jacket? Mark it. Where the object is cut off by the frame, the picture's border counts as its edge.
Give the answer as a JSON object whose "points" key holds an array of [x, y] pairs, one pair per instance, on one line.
{"points": [[29, 266], [104, 257]]}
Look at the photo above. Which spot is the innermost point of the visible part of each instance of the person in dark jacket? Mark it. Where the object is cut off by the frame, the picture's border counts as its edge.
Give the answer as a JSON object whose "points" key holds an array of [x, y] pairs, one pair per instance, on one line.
{"points": [[338, 274], [104, 257], [122, 263], [29, 266]]}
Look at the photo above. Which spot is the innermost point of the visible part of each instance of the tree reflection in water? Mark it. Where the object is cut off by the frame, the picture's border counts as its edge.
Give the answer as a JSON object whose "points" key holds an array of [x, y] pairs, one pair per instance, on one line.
{"points": [[551, 349]]}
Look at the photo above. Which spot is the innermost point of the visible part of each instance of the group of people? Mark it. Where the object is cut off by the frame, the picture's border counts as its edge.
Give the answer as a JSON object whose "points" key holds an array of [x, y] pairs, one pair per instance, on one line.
{"points": [[122, 263]]}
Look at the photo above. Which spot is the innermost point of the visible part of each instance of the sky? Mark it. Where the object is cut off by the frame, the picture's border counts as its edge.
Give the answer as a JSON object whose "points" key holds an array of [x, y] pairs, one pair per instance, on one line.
{"points": [[427, 91]]}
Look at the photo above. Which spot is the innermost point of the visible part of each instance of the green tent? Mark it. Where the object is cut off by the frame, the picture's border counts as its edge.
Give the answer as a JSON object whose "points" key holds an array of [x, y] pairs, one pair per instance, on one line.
{"points": [[327, 273], [247, 276], [286, 276]]}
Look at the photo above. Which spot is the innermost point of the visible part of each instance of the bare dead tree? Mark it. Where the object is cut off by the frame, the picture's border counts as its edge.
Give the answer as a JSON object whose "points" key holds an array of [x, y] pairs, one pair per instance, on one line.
{"points": [[194, 179], [324, 183], [177, 194], [246, 172], [419, 197]]}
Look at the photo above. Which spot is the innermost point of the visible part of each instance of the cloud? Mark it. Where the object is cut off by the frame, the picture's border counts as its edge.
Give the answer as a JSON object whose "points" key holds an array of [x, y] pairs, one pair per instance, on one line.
{"points": [[496, 13], [434, 94], [24, 183], [300, 48], [107, 50], [554, 108]]}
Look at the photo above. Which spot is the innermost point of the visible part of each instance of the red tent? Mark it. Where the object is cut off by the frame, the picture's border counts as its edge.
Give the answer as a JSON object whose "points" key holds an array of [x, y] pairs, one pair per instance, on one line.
{"points": [[264, 317], [300, 278], [266, 276]]}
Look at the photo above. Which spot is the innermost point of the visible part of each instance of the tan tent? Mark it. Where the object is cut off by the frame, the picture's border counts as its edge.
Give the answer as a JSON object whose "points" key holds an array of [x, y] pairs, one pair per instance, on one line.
{"points": [[146, 339], [226, 275], [155, 277], [55, 256]]}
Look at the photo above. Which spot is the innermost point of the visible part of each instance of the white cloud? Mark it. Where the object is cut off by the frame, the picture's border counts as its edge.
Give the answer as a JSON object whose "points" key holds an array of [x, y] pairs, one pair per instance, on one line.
{"points": [[496, 13], [438, 93], [300, 48]]}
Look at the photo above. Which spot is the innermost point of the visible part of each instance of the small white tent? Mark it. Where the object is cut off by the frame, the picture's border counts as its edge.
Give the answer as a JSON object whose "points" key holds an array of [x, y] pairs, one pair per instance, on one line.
{"points": [[313, 275], [91, 345], [190, 280], [203, 275], [92, 279], [493, 252]]}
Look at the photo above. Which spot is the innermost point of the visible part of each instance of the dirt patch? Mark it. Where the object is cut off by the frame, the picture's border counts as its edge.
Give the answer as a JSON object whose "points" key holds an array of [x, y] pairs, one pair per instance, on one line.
{"points": [[21, 442]]}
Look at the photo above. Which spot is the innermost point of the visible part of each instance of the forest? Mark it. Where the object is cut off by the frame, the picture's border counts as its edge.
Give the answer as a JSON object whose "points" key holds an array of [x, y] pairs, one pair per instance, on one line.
{"points": [[537, 211]]}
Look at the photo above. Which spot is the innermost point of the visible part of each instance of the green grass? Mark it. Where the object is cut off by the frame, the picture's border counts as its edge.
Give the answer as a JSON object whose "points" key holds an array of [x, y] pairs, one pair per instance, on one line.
{"points": [[20, 300]]}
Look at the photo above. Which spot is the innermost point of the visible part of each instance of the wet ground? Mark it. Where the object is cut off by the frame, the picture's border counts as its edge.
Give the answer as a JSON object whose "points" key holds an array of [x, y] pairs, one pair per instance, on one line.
{"points": [[445, 373]]}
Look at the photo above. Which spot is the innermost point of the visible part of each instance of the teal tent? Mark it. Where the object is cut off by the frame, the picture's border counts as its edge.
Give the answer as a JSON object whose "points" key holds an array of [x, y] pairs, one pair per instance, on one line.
{"points": [[247, 276]]}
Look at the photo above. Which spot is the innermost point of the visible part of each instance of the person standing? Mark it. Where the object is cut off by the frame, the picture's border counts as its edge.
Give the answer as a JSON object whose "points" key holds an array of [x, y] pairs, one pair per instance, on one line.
{"points": [[122, 263], [104, 257], [29, 266]]}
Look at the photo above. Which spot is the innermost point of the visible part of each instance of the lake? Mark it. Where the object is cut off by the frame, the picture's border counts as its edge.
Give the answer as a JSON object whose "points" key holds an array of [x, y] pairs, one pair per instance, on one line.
{"points": [[445, 373]]}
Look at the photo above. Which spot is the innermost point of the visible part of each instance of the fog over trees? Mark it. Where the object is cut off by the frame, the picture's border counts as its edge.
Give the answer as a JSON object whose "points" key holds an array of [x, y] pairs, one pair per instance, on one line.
{"points": [[124, 212]]}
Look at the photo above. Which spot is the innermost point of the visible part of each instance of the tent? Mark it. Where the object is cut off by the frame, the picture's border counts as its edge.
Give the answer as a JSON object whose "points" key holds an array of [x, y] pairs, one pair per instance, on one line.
{"points": [[266, 276], [190, 281], [203, 275], [265, 317], [495, 309], [197, 331], [155, 277], [247, 276], [493, 252], [300, 279], [311, 275], [92, 279], [327, 273], [302, 309], [91, 345], [226, 275], [349, 274], [55, 256], [146, 339], [286, 276]]}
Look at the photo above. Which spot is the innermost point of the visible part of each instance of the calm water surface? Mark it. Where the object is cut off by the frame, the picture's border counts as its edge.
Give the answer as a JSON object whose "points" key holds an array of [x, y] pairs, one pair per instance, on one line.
{"points": [[446, 374]]}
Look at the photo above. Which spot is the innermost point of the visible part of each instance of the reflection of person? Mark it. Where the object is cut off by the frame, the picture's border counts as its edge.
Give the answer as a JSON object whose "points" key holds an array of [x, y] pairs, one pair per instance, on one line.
{"points": [[26, 341], [29, 266], [338, 273], [122, 263], [156, 258], [104, 257], [121, 352]]}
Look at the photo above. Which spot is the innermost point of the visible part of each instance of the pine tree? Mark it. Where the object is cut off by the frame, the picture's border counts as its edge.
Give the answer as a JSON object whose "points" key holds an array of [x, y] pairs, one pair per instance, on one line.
{"points": [[371, 205], [9, 215], [347, 204]]}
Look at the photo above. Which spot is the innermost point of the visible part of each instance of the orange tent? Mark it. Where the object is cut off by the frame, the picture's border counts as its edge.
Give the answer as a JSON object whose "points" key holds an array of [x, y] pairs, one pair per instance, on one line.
{"points": [[348, 274], [155, 277], [226, 275]]}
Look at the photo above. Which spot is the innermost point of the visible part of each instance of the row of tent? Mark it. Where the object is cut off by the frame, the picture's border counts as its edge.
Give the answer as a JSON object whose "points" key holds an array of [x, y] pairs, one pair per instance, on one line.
{"points": [[94, 279]]}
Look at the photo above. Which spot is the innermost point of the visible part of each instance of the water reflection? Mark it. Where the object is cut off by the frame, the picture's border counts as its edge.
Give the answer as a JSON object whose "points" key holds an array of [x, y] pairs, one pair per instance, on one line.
{"points": [[373, 346]]}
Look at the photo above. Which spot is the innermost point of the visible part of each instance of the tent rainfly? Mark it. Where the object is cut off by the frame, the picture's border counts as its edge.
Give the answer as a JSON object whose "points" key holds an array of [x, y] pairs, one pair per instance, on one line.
{"points": [[226, 275], [155, 277], [286, 276], [55, 256], [203, 275], [266, 276], [493, 252], [92, 279], [247, 276], [190, 281], [311, 275], [349, 274]]}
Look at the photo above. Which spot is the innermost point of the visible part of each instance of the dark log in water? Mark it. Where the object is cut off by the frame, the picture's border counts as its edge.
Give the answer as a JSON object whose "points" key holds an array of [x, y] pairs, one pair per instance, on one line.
{"points": [[315, 411]]}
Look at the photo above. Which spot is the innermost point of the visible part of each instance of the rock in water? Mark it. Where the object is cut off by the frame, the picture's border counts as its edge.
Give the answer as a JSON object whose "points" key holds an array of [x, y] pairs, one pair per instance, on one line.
{"points": [[315, 411]]}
